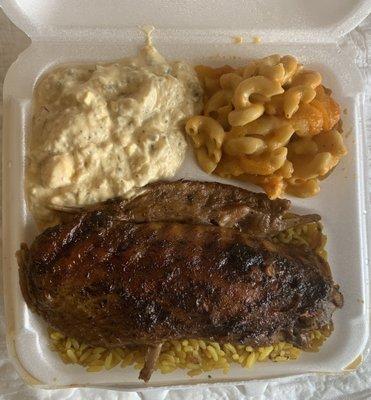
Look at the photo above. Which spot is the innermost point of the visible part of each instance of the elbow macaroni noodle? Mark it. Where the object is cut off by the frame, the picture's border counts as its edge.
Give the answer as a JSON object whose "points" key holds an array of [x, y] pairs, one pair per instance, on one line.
{"points": [[254, 85], [207, 135], [271, 123]]}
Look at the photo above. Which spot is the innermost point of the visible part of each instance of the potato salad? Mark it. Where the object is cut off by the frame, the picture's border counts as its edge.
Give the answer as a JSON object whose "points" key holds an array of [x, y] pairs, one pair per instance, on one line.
{"points": [[99, 131]]}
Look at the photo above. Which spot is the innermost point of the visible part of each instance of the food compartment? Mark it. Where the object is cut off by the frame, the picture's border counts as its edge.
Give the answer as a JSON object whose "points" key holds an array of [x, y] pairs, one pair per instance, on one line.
{"points": [[339, 203]]}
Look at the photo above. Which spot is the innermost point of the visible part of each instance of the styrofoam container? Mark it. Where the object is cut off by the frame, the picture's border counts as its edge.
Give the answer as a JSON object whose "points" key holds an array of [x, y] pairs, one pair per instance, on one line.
{"points": [[67, 31]]}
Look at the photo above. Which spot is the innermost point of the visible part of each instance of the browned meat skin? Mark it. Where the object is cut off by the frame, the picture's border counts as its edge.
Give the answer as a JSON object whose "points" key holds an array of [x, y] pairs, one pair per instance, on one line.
{"points": [[206, 203], [109, 282]]}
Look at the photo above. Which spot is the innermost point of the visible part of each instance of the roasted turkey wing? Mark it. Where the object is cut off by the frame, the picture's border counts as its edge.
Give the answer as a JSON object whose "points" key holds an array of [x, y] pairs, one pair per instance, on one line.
{"points": [[207, 203], [180, 260], [112, 282]]}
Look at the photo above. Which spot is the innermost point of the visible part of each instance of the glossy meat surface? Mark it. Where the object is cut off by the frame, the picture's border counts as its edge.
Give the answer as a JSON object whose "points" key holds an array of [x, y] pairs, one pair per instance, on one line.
{"points": [[110, 282]]}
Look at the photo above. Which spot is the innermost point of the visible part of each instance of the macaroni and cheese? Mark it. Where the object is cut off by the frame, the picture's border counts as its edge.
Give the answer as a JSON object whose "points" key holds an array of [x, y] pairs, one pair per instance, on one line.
{"points": [[271, 123]]}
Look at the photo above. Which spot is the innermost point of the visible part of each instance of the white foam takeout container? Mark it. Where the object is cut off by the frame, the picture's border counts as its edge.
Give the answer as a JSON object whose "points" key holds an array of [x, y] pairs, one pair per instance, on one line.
{"points": [[67, 31]]}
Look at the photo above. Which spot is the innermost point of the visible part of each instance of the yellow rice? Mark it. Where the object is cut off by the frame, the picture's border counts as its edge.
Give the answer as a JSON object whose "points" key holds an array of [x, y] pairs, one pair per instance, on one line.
{"points": [[196, 356]]}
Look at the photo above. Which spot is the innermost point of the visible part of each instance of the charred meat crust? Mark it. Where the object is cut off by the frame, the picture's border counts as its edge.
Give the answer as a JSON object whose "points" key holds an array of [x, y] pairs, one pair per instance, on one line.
{"points": [[110, 283]]}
